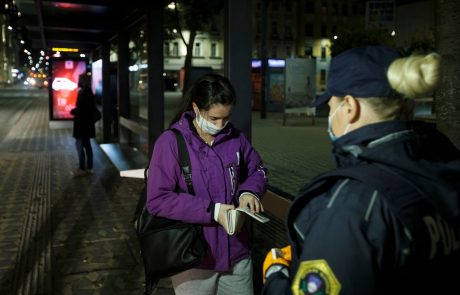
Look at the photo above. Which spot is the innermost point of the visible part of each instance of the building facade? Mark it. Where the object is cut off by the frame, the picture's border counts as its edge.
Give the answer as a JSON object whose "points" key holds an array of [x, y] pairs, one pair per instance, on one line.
{"points": [[8, 54], [304, 28]]}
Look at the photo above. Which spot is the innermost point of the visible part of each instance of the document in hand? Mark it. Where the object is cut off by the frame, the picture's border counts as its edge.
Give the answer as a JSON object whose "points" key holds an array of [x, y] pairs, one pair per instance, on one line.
{"points": [[236, 219]]}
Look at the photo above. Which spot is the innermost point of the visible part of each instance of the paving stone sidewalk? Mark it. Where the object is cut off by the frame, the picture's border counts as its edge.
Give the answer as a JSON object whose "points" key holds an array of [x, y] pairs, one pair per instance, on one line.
{"points": [[60, 234], [72, 236]]}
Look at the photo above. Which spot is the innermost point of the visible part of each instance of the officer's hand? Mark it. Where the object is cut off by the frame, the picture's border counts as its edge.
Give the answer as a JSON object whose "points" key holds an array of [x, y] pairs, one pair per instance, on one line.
{"points": [[222, 217], [277, 260], [248, 200]]}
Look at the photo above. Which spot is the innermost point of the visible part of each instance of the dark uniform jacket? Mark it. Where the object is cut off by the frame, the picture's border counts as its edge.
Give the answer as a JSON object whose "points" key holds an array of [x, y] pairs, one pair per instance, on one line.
{"points": [[84, 114], [350, 238]]}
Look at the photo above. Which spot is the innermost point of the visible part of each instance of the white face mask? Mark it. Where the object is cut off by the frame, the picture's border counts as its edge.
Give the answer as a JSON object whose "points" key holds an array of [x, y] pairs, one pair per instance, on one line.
{"points": [[329, 124], [207, 126]]}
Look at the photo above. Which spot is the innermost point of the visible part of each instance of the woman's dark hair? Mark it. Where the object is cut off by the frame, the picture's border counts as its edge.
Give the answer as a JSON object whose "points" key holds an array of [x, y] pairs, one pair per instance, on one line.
{"points": [[207, 90]]}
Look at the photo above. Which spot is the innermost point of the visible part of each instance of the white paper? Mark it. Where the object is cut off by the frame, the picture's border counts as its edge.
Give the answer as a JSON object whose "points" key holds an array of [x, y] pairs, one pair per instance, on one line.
{"points": [[135, 173], [236, 219]]}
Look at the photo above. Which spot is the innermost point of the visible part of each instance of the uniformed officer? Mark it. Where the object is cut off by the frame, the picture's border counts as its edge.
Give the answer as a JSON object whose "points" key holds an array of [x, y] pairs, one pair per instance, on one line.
{"points": [[387, 219]]}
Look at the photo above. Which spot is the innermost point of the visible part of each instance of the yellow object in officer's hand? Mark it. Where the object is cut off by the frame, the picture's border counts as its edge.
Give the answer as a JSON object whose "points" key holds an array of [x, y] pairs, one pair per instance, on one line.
{"points": [[281, 257]]}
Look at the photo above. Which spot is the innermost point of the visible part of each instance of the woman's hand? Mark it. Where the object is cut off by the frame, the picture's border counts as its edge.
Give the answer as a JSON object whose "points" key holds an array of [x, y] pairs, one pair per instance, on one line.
{"points": [[222, 217], [248, 200]]}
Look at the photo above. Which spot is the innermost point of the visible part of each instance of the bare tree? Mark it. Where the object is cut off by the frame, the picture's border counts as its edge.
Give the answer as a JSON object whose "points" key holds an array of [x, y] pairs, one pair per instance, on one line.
{"points": [[194, 16], [447, 100]]}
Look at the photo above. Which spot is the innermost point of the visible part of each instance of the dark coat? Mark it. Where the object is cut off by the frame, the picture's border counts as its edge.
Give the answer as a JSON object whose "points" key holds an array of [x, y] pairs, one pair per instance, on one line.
{"points": [[84, 114], [347, 236]]}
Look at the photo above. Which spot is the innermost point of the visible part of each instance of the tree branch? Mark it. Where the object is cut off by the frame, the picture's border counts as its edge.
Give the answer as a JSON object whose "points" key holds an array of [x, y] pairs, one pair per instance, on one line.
{"points": [[179, 28]]}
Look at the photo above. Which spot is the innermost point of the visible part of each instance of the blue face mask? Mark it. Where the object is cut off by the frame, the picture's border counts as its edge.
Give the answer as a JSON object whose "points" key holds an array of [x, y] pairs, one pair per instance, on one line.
{"points": [[329, 124]]}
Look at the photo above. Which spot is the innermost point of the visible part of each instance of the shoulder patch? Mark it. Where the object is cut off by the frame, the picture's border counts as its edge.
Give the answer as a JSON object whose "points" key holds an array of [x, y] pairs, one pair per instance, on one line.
{"points": [[315, 277]]}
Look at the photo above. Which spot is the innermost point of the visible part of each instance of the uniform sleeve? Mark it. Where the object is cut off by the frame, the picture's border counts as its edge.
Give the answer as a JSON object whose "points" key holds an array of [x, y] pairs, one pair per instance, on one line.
{"points": [[277, 284], [164, 176], [343, 239], [256, 178]]}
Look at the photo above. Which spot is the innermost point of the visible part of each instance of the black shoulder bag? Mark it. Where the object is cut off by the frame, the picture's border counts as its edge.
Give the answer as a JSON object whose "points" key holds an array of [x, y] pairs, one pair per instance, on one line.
{"points": [[168, 246]]}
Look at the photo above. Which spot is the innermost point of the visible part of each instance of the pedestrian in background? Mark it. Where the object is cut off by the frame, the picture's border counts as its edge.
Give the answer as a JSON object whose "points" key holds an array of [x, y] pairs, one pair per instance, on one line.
{"points": [[227, 172], [85, 115], [387, 220]]}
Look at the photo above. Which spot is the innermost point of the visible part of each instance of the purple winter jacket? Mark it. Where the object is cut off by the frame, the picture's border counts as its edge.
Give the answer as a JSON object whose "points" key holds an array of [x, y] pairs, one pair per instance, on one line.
{"points": [[219, 175]]}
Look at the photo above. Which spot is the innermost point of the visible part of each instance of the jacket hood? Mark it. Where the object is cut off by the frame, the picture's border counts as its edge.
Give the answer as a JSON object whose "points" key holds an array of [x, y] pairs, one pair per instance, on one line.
{"points": [[416, 150]]}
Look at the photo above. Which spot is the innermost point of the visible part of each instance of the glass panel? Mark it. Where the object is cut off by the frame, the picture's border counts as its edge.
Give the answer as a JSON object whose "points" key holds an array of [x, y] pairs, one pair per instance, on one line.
{"points": [[138, 74], [207, 51]]}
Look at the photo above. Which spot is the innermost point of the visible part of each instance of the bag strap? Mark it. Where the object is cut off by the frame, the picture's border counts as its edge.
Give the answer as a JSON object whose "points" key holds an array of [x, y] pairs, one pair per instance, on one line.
{"points": [[184, 159]]}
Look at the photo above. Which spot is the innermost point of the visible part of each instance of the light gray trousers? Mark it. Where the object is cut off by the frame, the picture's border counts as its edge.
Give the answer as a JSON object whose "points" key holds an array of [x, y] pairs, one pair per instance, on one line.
{"points": [[238, 280]]}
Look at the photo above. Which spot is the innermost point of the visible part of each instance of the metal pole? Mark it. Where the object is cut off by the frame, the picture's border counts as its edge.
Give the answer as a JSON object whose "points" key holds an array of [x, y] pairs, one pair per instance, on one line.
{"points": [[263, 59]]}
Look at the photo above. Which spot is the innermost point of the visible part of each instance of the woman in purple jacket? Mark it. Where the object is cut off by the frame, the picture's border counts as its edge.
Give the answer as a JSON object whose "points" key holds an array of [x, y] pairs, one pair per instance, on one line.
{"points": [[227, 172]]}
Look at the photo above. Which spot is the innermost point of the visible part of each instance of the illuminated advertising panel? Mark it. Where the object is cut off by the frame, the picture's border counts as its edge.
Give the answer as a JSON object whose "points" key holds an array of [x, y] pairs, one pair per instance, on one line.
{"points": [[64, 86], [96, 73]]}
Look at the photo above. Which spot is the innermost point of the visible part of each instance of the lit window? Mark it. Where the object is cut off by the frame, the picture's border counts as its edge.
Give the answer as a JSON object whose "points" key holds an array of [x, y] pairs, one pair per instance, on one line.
{"points": [[197, 51], [213, 50], [175, 50], [322, 76]]}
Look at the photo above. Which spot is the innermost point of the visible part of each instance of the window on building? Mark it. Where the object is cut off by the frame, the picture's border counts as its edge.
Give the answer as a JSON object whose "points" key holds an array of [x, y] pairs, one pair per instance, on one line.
{"points": [[345, 9], [274, 31], [323, 52], [324, 7], [323, 31], [288, 51], [166, 49], [213, 50], [274, 52], [258, 27], [288, 33], [288, 5], [310, 7], [335, 8], [308, 30], [175, 49], [322, 77], [355, 9], [197, 50]]}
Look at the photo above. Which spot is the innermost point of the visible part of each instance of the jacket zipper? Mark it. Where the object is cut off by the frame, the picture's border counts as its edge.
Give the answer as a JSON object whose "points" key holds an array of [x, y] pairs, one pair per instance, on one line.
{"points": [[232, 179]]}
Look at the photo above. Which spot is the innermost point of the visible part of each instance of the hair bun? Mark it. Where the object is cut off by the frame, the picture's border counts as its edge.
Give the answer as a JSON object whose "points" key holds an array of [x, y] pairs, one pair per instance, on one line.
{"points": [[415, 76]]}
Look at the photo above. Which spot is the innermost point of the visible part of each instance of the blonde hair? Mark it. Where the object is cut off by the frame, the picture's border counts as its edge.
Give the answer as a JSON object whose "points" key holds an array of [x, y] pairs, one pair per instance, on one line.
{"points": [[414, 76], [411, 77], [390, 108]]}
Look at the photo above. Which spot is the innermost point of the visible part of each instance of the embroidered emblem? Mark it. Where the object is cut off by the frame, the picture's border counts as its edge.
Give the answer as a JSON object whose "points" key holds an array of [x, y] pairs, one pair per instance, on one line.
{"points": [[315, 277]]}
